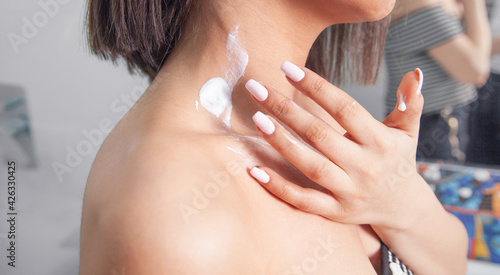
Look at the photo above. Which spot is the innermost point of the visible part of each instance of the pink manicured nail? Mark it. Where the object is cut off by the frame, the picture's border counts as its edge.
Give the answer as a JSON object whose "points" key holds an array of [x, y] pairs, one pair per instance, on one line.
{"points": [[292, 71], [420, 80], [264, 123], [257, 90], [260, 175]]}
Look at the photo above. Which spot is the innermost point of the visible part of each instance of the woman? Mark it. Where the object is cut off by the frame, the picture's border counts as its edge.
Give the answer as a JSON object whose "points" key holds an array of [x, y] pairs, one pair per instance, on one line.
{"points": [[174, 188], [429, 34]]}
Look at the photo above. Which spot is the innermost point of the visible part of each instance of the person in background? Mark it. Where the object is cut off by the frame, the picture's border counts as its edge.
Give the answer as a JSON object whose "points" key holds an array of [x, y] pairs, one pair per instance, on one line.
{"points": [[484, 123], [450, 41]]}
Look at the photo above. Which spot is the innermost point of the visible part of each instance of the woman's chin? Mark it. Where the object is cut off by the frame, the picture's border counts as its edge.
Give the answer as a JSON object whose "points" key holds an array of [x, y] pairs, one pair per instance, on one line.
{"points": [[367, 12], [378, 12]]}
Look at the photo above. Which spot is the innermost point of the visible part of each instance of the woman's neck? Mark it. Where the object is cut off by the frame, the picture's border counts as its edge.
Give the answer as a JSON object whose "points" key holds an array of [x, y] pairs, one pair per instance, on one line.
{"points": [[218, 48]]}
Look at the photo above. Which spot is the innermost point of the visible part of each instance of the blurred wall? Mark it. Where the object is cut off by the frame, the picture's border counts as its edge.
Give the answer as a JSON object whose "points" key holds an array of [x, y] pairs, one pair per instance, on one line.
{"points": [[371, 97], [71, 96]]}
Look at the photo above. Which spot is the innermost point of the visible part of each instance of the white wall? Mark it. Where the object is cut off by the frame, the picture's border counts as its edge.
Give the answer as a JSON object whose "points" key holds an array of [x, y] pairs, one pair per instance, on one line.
{"points": [[67, 92]]}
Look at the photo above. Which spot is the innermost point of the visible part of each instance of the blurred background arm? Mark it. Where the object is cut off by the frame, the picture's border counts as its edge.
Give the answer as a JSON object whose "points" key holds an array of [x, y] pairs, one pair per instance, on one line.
{"points": [[495, 49], [466, 57]]}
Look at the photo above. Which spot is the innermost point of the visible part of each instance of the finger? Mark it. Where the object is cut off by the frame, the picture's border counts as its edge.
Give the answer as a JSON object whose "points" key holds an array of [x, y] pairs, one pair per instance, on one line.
{"points": [[407, 112], [311, 129], [312, 164], [305, 199], [355, 119]]}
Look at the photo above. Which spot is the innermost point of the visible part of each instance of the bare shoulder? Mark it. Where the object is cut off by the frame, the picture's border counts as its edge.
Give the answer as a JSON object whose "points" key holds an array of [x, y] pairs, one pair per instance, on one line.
{"points": [[146, 211]]}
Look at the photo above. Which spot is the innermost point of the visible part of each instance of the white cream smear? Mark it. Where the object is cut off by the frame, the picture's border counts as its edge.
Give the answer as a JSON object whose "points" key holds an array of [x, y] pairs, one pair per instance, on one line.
{"points": [[238, 153], [292, 141], [215, 94], [252, 140], [402, 104]]}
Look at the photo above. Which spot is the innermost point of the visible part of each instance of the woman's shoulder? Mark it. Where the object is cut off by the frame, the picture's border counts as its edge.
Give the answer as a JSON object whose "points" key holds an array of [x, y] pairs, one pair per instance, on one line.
{"points": [[150, 159], [155, 204], [179, 204]]}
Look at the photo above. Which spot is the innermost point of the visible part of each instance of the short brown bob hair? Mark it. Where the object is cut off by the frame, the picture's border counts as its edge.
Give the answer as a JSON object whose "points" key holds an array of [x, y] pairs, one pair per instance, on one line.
{"points": [[143, 33]]}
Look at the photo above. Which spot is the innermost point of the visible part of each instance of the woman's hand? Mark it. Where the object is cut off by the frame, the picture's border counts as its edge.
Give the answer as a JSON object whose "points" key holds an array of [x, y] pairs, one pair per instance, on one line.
{"points": [[369, 172]]}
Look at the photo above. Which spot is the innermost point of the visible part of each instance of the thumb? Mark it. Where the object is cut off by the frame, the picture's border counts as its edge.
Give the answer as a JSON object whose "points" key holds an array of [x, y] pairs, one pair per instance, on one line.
{"points": [[407, 112]]}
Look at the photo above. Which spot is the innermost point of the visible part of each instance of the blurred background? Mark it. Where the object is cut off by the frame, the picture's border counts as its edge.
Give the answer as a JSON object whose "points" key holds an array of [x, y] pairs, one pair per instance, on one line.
{"points": [[48, 73], [56, 103]]}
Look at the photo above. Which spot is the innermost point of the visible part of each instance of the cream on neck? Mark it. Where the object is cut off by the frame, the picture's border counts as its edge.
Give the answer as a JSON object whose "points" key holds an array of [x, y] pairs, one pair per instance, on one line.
{"points": [[215, 94]]}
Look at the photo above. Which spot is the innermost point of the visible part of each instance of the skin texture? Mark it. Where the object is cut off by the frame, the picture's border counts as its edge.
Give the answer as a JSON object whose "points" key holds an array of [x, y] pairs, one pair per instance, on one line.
{"points": [[163, 154], [465, 57]]}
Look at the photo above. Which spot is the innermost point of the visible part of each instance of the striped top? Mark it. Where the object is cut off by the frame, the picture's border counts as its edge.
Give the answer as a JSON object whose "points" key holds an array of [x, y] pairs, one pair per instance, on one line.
{"points": [[391, 265], [408, 42]]}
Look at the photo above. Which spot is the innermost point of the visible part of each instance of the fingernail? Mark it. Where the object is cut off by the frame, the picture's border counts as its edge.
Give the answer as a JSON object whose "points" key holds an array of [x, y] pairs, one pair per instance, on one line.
{"points": [[260, 175], [292, 71], [402, 104], [264, 123], [257, 90], [420, 76]]}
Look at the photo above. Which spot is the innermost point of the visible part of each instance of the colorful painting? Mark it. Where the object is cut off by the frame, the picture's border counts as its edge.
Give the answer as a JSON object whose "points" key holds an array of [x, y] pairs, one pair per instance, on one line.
{"points": [[473, 195]]}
